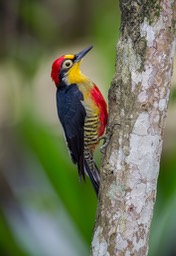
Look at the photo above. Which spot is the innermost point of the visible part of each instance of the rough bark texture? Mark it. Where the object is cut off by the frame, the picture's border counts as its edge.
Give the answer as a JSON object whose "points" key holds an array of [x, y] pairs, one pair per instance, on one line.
{"points": [[138, 100]]}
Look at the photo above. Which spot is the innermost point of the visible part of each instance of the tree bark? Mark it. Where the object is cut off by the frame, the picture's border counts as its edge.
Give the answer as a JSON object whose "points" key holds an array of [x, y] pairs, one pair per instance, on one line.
{"points": [[138, 100]]}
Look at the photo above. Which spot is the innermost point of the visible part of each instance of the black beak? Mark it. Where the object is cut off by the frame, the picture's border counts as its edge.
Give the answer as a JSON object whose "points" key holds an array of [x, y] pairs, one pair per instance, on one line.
{"points": [[81, 54]]}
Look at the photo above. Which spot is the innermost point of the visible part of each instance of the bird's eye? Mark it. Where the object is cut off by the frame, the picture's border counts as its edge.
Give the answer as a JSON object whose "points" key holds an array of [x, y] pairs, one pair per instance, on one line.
{"points": [[67, 64]]}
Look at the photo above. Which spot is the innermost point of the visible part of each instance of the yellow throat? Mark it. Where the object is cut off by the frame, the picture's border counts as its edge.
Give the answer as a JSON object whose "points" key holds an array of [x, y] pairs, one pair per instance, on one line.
{"points": [[74, 75]]}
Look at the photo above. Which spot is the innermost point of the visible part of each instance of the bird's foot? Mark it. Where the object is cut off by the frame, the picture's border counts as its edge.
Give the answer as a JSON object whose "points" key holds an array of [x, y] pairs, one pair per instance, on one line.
{"points": [[106, 137]]}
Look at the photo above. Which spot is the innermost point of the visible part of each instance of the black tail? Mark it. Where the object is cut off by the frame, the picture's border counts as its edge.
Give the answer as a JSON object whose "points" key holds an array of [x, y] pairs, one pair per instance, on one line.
{"points": [[93, 174], [81, 171]]}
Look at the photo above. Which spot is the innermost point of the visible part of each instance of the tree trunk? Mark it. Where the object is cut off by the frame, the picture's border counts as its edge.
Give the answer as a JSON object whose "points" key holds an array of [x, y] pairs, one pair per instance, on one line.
{"points": [[138, 100]]}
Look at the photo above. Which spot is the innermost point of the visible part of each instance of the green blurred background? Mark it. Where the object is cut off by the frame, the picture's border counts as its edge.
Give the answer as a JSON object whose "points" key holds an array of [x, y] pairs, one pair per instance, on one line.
{"points": [[44, 210]]}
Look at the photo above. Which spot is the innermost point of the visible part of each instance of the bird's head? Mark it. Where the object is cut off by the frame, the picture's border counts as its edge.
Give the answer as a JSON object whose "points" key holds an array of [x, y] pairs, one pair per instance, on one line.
{"points": [[67, 68]]}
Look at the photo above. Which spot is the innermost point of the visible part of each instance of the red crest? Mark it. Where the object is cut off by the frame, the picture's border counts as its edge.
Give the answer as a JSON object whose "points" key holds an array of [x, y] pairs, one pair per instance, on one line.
{"points": [[56, 69]]}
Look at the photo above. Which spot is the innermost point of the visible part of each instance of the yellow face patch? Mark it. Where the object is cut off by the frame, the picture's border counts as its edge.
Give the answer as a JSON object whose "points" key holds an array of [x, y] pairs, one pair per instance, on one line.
{"points": [[74, 75], [69, 56]]}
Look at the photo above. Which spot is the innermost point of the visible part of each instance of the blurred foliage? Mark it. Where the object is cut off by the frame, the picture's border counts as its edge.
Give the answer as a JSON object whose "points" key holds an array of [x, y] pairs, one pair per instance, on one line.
{"points": [[173, 95], [44, 209], [7, 239], [53, 156]]}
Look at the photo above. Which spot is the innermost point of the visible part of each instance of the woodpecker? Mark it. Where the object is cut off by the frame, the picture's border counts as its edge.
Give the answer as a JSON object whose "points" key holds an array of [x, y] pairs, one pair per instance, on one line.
{"points": [[82, 111]]}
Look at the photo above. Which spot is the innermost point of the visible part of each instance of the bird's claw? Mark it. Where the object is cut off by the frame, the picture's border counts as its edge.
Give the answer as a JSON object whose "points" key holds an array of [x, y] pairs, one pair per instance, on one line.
{"points": [[106, 137], [106, 142]]}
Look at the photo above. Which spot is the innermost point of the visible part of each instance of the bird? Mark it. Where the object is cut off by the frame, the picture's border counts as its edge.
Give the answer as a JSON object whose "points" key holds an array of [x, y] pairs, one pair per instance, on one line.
{"points": [[82, 111]]}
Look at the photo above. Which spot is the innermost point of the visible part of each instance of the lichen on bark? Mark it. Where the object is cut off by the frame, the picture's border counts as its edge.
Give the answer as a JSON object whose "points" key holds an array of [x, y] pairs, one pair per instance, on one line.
{"points": [[138, 100], [133, 14]]}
